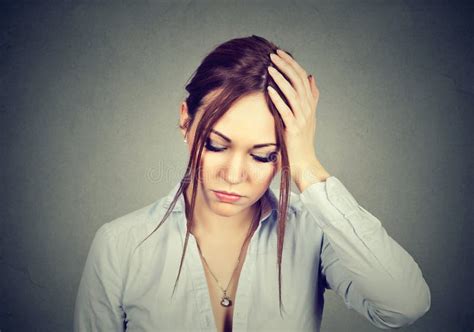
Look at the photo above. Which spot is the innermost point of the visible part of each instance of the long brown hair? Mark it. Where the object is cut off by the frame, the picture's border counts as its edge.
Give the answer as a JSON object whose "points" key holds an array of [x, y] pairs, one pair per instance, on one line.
{"points": [[234, 69]]}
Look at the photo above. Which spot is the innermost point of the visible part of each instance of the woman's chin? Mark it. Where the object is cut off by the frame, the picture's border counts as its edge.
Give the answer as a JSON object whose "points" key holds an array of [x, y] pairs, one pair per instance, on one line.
{"points": [[226, 209]]}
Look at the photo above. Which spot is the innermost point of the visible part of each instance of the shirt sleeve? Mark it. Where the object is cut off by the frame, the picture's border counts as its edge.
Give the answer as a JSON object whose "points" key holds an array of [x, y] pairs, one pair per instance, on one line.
{"points": [[98, 304], [368, 269]]}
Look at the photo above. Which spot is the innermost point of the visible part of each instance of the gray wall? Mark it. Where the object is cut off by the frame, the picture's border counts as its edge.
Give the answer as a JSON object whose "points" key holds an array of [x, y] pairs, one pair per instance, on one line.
{"points": [[90, 94]]}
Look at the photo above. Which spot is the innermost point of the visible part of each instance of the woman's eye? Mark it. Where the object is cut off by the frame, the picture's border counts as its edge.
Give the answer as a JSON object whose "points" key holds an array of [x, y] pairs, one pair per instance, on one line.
{"points": [[272, 157], [211, 147]]}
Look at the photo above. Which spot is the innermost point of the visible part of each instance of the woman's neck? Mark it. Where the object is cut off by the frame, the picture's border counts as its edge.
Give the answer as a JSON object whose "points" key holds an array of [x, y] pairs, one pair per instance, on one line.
{"points": [[222, 228]]}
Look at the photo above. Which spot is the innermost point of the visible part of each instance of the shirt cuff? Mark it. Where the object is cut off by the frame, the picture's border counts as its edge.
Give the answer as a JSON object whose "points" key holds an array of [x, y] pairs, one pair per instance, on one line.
{"points": [[330, 202]]}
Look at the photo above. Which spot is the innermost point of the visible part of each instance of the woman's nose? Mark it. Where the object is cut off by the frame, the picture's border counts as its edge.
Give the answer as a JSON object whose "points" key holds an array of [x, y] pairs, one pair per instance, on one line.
{"points": [[234, 171]]}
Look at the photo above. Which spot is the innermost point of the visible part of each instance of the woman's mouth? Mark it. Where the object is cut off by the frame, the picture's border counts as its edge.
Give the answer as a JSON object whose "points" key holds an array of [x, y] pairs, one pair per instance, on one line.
{"points": [[228, 198]]}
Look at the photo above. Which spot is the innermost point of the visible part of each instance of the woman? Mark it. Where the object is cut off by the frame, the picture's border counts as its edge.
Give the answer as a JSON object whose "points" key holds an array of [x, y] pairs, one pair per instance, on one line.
{"points": [[234, 228]]}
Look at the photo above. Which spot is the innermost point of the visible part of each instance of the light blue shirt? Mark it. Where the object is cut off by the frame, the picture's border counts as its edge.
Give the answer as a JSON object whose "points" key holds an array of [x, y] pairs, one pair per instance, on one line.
{"points": [[330, 242]]}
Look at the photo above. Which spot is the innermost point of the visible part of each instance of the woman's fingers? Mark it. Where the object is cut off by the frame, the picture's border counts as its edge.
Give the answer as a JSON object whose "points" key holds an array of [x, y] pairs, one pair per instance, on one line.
{"points": [[314, 93], [285, 112], [287, 89], [298, 112], [300, 73], [302, 93], [298, 79]]}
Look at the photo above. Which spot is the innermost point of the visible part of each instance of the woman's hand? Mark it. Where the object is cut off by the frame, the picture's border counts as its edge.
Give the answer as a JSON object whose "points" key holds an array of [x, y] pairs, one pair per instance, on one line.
{"points": [[299, 118]]}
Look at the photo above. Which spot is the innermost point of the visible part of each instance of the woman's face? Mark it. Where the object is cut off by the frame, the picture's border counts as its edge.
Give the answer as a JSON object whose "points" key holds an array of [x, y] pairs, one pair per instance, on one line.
{"points": [[233, 158]]}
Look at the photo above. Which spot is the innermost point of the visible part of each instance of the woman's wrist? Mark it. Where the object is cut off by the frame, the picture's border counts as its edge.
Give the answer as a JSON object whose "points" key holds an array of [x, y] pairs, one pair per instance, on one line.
{"points": [[308, 174]]}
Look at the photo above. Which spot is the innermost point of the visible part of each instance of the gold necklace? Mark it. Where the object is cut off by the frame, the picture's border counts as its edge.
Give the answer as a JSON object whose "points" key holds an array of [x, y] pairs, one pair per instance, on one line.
{"points": [[225, 300]]}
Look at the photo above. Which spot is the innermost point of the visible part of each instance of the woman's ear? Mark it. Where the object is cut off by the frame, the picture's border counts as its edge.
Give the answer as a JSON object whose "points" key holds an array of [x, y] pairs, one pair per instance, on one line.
{"points": [[184, 119]]}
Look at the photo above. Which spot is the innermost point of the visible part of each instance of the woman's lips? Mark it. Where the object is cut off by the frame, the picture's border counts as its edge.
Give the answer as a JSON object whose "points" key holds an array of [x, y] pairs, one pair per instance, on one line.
{"points": [[226, 197]]}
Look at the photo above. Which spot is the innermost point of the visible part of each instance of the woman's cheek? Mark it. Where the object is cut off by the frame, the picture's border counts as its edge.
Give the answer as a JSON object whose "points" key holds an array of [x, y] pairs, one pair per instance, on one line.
{"points": [[214, 164], [257, 172], [262, 172]]}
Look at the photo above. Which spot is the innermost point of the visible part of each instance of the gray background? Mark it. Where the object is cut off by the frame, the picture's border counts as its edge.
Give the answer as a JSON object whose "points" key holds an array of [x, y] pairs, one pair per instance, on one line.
{"points": [[90, 94]]}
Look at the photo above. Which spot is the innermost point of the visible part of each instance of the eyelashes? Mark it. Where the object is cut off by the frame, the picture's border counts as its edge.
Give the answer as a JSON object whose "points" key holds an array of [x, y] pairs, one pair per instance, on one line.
{"points": [[272, 157]]}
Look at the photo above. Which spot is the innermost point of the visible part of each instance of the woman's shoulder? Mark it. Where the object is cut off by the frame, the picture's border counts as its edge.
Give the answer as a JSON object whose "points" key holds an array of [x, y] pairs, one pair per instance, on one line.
{"points": [[139, 222], [133, 219]]}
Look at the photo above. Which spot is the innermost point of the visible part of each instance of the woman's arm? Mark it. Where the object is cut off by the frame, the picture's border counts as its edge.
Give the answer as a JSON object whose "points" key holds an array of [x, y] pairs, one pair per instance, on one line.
{"points": [[361, 262], [372, 273], [98, 305]]}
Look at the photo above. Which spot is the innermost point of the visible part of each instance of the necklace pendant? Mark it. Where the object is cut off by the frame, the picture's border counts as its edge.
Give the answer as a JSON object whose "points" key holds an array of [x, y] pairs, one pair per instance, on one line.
{"points": [[226, 302]]}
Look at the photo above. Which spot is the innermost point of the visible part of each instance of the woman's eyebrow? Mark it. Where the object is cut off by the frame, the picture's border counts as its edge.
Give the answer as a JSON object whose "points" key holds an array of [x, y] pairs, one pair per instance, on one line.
{"points": [[256, 146]]}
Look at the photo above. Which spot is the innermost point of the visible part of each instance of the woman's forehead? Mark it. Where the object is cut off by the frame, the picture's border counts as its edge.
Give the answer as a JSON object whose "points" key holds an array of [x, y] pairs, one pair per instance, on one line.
{"points": [[248, 118]]}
